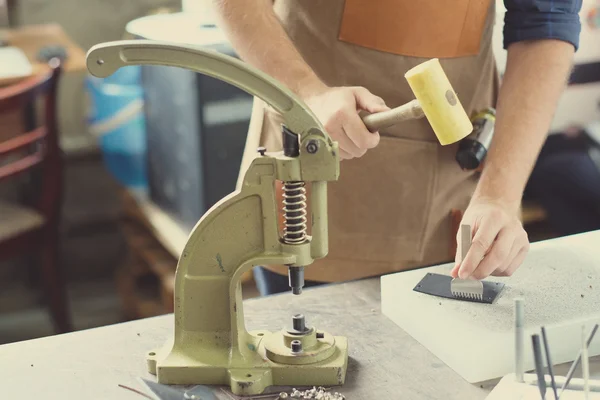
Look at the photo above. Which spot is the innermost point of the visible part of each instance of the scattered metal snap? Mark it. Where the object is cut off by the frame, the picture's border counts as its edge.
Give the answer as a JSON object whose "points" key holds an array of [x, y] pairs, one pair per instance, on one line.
{"points": [[315, 393]]}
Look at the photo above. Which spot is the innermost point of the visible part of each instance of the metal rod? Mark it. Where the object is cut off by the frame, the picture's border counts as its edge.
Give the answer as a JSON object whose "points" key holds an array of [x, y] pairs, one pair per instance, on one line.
{"points": [[549, 361], [539, 365], [519, 322], [135, 391], [585, 366], [296, 279], [576, 384], [465, 241], [576, 362], [299, 323]]}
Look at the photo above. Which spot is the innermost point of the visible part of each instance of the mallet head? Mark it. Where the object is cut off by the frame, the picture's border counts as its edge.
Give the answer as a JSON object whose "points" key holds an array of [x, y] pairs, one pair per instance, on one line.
{"points": [[439, 102]]}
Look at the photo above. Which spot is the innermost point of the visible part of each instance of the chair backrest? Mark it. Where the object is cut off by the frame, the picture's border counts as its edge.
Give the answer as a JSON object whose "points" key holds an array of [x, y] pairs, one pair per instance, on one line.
{"points": [[38, 145]]}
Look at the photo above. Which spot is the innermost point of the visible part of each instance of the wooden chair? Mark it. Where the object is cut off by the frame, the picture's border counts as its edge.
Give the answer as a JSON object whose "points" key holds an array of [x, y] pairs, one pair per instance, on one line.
{"points": [[33, 228]]}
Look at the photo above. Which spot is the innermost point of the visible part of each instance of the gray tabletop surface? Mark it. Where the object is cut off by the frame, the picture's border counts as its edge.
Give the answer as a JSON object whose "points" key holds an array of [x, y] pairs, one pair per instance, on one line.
{"points": [[384, 363]]}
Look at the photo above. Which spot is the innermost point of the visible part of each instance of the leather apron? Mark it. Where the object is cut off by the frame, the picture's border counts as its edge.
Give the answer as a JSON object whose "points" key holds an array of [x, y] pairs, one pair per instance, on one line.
{"points": [[390, 209]]}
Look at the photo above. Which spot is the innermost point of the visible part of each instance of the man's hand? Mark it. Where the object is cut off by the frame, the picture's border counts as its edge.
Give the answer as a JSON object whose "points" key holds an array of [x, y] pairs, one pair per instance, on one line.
{"points": [[536, 74], [499, 244], [259, 39], [337, 108]]}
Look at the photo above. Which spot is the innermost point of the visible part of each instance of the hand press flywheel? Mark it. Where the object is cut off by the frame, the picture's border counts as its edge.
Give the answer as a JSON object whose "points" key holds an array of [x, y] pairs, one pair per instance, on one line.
{"points": [[210, 344]]}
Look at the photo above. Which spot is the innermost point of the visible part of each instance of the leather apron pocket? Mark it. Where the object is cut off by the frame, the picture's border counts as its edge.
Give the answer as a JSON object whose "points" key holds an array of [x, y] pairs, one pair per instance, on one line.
{"points": [[379, 208], [417, 28]]}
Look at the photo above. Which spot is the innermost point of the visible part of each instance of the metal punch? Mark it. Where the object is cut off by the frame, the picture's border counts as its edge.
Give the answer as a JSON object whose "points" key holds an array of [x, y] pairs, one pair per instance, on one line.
{"points": [[439, 285], [577, 360], [466, 288], [460, 289]]}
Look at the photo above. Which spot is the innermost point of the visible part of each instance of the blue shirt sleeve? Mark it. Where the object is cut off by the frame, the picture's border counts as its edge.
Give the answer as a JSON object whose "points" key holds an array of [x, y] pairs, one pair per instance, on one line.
{"points": [[542, 19]]}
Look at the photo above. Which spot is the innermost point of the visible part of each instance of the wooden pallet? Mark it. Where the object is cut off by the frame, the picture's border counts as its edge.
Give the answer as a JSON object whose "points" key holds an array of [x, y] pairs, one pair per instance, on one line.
{"points": [[146, 280]]}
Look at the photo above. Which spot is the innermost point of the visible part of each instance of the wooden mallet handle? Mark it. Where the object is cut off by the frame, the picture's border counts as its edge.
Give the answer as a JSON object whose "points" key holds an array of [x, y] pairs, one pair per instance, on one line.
{"points": [[434, 98], [385, 119]]}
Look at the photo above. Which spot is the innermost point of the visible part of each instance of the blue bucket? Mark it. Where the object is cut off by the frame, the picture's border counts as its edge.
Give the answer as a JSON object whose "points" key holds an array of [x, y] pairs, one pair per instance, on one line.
{"points": [[116, 117]]}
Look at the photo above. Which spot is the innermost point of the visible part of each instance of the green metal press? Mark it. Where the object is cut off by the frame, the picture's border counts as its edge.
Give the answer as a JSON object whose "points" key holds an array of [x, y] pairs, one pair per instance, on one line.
{"points": [[210, 344]]}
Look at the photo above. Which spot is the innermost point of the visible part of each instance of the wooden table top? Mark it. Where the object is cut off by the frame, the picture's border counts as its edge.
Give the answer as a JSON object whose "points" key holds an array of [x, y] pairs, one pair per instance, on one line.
{"points": [[31, 38]]}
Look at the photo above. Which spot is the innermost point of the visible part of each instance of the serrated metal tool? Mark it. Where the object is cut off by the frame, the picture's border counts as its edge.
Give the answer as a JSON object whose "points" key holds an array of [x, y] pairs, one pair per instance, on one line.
{"points": [[466, 288]]}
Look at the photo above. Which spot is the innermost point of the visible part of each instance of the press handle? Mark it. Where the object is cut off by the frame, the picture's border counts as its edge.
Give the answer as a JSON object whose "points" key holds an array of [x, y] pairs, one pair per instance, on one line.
{"points": [[385, 119], [106, 58]]}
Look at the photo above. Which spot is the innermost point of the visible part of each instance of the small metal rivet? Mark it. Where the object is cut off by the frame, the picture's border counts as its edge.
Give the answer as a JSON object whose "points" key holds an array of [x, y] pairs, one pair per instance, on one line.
{"points": [[100, 61]]}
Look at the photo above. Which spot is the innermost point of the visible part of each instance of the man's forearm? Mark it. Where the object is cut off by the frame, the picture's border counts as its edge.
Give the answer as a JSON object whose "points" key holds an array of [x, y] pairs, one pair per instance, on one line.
{"points": [[536, 74], [259, 39]]}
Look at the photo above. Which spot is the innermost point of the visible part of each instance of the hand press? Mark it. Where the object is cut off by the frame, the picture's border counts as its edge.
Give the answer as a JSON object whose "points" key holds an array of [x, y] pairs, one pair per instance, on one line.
{"points": [[210, 344]]}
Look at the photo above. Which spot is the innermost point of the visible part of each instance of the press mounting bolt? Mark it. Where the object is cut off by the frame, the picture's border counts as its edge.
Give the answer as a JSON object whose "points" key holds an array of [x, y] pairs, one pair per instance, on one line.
{"points": [[296, 346]]}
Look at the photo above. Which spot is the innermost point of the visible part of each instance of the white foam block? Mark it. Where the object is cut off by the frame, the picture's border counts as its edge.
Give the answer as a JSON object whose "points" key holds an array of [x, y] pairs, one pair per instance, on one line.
{"points": [[509, 389], [560, 283]]}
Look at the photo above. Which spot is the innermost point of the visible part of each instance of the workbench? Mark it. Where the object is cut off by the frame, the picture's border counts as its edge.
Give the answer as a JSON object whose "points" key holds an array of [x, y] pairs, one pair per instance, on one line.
{"points": [[385, 362]]}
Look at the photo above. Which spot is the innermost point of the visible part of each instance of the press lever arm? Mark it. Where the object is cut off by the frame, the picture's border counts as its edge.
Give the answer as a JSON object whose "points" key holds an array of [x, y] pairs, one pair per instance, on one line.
{"points": [[104, 59]]}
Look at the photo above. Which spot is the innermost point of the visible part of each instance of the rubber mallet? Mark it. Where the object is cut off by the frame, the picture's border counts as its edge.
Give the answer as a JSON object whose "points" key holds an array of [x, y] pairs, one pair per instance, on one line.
{"points": [[435, 99]]}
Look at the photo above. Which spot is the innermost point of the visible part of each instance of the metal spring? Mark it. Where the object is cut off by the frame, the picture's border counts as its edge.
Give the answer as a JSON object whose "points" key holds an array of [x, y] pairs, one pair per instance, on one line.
{"points": [[294, 210]]}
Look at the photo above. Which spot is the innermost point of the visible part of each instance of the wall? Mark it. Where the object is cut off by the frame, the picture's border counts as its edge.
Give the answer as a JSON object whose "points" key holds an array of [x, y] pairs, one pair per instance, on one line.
{"points": [[579, 104], [96, 21], [92, 245], [87, 22]]}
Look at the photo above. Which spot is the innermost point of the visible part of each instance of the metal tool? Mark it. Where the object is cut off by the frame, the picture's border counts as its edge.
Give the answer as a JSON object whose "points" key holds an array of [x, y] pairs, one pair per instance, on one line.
{"points": [[435, 99], [473, 149], [519, 338], [549, 362], [439, 285], [585, 364], [315, 393], [164, 392], [539, 364], [576, 361], [210, 344], [466, 288], [575, 384]]}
